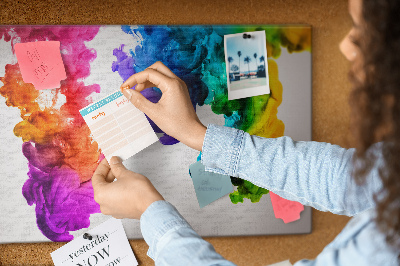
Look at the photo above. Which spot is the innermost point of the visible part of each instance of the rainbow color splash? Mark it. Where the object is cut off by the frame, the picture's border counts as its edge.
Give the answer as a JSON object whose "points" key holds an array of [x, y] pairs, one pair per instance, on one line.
{"points": [[61, 154]]}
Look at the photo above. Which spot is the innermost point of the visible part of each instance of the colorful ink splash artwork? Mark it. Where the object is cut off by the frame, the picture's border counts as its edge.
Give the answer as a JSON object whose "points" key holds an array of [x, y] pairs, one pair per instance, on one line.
{"points": [[57, 153]]}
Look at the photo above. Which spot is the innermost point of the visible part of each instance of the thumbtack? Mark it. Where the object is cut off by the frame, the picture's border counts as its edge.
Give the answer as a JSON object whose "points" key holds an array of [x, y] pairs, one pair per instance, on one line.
{"points": [[246, 36], [87, 236]]}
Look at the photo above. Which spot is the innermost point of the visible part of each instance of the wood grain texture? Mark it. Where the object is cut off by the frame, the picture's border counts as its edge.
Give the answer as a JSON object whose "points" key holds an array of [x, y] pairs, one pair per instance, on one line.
{"points": [[330, 22]]}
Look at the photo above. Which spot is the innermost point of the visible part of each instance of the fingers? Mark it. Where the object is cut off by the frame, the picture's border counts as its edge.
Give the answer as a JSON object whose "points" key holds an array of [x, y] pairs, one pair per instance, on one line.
{"points": [[139, 101], [157, 78], [157, 75], [160, 67], [117, 167], [143, 86], [110, 177], [100, 174]]}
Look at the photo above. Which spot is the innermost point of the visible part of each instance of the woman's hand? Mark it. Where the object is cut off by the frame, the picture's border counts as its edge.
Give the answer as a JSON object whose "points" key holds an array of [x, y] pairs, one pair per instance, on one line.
{"points": [[174, 113], [127, 197]]}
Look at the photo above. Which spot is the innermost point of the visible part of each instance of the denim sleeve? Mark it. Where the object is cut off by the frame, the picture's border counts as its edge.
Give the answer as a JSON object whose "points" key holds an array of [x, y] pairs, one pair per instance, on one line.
{"points": [[313, 173], [172, 241]]}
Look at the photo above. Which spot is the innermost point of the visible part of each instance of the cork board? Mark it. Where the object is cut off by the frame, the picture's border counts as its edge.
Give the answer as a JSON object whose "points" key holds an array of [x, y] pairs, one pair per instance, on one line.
{"points": [[330, 110]]}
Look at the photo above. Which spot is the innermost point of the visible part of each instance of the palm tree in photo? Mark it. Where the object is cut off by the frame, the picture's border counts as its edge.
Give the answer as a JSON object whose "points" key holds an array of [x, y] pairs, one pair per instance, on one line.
{"points": [[239, 54], [247, 60], [255, 57], [262, 59], [230, 60]]}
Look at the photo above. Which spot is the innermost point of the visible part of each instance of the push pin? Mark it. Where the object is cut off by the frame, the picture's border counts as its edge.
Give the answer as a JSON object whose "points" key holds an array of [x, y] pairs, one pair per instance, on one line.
{"points": [[87, 236], [246, 36]]}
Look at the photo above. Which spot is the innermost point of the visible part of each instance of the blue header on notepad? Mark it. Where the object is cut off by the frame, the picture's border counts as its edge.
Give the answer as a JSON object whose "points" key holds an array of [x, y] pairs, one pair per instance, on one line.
{"points": [[95, 106]]}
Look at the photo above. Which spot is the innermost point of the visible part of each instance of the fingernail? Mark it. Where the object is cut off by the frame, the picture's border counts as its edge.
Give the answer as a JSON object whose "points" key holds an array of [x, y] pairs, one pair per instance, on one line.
{"points": [[124, 87], [128, 93], [115, 160]]}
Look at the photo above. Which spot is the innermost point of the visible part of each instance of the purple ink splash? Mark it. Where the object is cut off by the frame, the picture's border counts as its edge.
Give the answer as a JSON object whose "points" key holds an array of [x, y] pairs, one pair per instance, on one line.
{"points": [[61, 155], [63, 204]]}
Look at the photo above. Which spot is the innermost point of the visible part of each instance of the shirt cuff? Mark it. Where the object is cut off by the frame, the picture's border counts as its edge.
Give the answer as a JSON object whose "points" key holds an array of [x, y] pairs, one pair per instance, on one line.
{"points": [[221, 149], [158, 219]]}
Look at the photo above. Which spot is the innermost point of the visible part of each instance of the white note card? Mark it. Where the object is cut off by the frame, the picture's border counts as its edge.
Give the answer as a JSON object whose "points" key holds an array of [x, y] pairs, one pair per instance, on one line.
{"points": [[118, 126], [109, 246]]}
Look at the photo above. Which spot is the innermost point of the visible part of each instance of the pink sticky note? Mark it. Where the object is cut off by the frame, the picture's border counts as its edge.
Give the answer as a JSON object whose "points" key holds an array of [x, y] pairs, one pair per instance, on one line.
{"points": [[284, 209], [41, 63]]}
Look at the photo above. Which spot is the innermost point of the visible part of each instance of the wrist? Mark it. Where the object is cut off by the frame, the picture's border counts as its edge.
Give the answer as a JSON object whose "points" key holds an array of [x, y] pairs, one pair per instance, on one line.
{"points": [[196, 136], [147, 204]]}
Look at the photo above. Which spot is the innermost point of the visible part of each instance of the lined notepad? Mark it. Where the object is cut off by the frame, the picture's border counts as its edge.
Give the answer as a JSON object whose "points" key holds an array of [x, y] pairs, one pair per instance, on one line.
{"points": [[118, 126]]}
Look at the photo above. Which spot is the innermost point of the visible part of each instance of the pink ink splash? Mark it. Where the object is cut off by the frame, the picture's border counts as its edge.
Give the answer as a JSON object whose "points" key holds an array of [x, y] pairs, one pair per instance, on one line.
{"points": [[61, 154]]}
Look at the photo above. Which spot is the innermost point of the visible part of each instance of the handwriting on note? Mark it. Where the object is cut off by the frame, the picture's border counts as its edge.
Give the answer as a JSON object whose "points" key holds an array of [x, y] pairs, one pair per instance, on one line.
{"points": [[41, 63], [208, 186], [119, 128]]}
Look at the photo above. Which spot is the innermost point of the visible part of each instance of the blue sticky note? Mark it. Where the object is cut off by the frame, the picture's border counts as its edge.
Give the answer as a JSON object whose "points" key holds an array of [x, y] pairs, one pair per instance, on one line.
{"points": [[209, 186]]}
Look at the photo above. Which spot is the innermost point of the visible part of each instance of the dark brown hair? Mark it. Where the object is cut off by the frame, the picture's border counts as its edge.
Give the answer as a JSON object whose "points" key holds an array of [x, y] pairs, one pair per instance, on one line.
{"points": [[375, 103]]}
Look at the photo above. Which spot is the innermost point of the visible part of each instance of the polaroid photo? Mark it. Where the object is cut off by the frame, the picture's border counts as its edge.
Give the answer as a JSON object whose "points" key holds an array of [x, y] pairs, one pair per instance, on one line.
{"points": [[246, 64]]}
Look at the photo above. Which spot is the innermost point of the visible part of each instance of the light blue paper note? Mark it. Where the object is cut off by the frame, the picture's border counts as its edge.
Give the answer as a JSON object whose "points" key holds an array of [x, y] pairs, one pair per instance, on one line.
{"points": [[209, 186]]}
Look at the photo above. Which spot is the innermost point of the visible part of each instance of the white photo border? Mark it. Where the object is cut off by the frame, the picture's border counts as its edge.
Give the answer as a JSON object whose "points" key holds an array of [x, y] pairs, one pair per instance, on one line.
{"points": [[247, 92]]}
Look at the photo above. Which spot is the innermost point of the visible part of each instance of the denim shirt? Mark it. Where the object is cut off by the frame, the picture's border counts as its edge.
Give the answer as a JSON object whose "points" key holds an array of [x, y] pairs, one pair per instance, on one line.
{"points": [[312, 173]]}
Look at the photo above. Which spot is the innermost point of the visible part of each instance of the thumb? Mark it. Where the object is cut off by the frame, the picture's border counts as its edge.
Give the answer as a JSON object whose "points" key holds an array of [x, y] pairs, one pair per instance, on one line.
{"points": [[117, 168], [100, 174], [138, 100]]}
